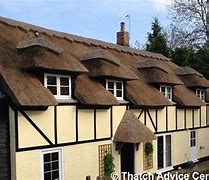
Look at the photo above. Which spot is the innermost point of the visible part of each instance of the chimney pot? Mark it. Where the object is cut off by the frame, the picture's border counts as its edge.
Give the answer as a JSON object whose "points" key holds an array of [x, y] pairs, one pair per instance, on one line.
{"points": [[122, 26], [123, 35]]}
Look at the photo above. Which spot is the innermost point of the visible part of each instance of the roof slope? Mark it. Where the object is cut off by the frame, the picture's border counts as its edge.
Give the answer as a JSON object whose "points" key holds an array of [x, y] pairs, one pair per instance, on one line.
{"points": [[132, 130], [24, 53]]}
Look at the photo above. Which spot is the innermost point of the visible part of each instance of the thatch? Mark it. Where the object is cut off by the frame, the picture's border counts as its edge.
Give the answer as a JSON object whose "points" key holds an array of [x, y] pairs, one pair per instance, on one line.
{"points": [[41, 42], [132, 130], [157, 76], [39, 58], [101, 68], [185, 97], [142, 94], [181, 71], [90, 92], [152, 63], [100, 54], [73, 38], [60, 52], [25, 89], [194, 81]]}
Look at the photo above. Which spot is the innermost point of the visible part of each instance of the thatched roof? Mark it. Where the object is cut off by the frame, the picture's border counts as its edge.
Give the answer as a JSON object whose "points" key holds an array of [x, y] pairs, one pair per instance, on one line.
{"points": [[41, 42], [185, 97], [157, 76], [151, 63], [100, 54], [101, 68], [25, 89], [181, 71], [142, 94], [132, 130], [23, 55], [191, 78], [90, 92], [194, 81], [39, 58]]}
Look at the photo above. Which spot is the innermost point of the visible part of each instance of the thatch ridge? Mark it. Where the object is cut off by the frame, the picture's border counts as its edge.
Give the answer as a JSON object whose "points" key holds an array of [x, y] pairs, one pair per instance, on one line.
{"points": [[181, 71], [42, 42], [132, 130], [29, 27], [41, 58], [151, 63], [100, 54], [100, 68]]}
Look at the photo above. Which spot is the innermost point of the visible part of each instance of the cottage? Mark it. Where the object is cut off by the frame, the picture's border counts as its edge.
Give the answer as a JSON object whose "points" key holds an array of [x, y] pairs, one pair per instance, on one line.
{"points": [[67, 101]]}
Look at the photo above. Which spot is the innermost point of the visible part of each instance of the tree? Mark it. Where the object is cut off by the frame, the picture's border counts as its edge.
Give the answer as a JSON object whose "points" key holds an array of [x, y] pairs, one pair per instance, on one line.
{"points": [[157, 39], [188, 26]]}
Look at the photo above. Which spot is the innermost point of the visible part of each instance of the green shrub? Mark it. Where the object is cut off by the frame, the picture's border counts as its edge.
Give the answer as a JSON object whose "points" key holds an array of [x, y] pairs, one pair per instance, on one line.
{"points": [[108, 165], [148, 148]]}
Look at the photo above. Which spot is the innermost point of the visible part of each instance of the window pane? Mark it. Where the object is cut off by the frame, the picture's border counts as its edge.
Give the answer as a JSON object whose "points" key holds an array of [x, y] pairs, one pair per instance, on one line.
{"points": [[64, 91], [168, 89], [51, 80], [194, 142], [53, 89], [46, 157], [118, 93], [55, 165], [47, 167], [55, 175], [55, 156], [110, 85], [47, 176], [112, 91], [191, 143], [118, 85], [162, 89], [64, 81]]}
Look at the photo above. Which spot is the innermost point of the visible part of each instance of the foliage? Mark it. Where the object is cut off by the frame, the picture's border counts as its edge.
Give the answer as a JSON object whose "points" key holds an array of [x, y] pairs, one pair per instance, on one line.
{"points": [[148, 148], [188, 23], [197, 59], [108, 165], [157, 39]]}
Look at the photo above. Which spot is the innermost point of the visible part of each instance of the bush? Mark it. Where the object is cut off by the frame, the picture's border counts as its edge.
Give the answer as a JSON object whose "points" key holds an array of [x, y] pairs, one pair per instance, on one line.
{"points": [[148, 148], [108, 165]]}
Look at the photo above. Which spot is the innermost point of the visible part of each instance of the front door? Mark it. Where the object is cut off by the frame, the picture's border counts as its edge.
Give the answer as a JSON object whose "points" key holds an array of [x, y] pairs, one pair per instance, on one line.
{"points": [[164, 151], [193, 145], [127, 158]]}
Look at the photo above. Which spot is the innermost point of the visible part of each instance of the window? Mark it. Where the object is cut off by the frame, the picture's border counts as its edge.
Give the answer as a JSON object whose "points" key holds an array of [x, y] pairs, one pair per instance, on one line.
{"points": [[52, 164], [200, 93], [192, 138], [59, 85], [167, 91], [116, 88], [164, 151]]}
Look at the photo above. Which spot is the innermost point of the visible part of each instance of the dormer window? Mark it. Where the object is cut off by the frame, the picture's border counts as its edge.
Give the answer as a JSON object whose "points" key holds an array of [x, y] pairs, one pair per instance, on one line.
{"points": [[167, 91], [200, 93], [59, 85], [116, 88]]}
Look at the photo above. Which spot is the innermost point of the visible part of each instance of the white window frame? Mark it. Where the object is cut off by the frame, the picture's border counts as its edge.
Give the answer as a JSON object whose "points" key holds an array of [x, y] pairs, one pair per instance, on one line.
{"points": [[169, 168], [61, 161], [166, 91], [202, 93], [58, 76], [115, 89]]}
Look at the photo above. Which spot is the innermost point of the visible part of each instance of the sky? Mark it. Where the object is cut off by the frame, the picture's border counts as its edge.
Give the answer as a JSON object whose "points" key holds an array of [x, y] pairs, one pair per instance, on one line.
{"points": [[98, 19]]}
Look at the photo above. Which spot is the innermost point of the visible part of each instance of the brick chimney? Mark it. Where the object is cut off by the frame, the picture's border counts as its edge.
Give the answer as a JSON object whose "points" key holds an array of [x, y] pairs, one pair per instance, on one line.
{"points": [[123, 35]]}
